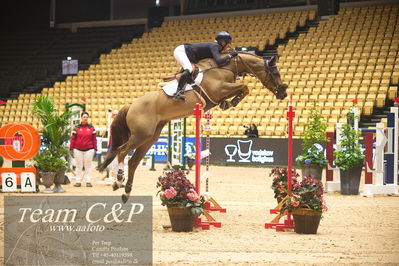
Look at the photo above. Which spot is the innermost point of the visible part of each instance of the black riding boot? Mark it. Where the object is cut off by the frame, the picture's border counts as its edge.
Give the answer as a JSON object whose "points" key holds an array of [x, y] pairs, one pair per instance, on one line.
{"points": [[180, 87]]}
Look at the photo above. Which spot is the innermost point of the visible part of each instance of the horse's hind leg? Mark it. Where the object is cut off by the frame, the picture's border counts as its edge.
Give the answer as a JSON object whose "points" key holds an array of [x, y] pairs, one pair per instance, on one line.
{"points": [[137, 157], [119, 177]]}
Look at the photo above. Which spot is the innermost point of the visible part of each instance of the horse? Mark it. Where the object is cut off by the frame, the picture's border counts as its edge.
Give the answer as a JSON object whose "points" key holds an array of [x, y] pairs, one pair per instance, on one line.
{"points": [[138, 125]]}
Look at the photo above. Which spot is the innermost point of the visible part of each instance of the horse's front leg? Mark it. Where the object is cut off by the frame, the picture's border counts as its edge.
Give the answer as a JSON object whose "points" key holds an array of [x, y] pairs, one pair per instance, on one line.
{"points": [[239, 91]]}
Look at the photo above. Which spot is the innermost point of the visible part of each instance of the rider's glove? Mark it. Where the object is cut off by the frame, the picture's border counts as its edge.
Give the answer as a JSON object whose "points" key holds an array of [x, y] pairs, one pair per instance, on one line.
{"points": [[233, 54]]}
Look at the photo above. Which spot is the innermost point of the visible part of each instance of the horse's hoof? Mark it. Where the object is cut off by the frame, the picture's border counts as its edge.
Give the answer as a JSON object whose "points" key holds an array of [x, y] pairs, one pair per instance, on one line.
{"points": [[125, 198], [115, 186]]}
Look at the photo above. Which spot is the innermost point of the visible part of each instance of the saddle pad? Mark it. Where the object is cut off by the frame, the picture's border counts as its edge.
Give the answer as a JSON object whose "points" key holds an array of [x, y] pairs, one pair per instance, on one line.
{"points": [[170, 87]]}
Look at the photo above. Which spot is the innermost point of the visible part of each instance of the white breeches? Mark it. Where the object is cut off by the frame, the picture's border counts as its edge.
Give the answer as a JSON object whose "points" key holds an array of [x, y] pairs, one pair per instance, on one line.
{"points": [[114, 166], [83, 159], [181, 57]]}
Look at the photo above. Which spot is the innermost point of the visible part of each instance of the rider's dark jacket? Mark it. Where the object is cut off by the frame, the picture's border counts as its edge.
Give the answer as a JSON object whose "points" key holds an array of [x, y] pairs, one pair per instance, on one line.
{"points": [[196, 52]]}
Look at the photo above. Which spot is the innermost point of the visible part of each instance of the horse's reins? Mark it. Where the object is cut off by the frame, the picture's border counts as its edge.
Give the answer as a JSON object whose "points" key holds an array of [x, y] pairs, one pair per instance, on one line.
{"points": [[216, 67], [207, 69], [266, 67]]}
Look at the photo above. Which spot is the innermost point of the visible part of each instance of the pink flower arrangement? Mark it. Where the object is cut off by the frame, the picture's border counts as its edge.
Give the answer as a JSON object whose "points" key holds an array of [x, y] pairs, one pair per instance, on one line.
{"points": [[170, 193], [279, 184], [175, 190], [295, 200], [193, 196], [308, 194]]}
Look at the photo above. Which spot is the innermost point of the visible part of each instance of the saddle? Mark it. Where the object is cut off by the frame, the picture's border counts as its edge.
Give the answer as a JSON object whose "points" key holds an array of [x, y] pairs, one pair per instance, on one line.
{"points": [[177, 75]]}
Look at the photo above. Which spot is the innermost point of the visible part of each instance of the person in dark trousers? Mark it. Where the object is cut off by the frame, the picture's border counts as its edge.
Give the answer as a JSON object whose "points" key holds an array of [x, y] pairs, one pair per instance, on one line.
{"points": [[188, 54], [84, 145], [252, 131]]}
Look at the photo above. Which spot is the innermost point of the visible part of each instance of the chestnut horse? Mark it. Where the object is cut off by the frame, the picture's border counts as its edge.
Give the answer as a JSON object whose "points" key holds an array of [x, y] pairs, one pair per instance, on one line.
{"points": [[138, 125]]}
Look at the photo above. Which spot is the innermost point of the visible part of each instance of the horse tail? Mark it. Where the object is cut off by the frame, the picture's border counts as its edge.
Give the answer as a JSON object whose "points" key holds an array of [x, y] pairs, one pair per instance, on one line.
{"points": [[120, 135]]}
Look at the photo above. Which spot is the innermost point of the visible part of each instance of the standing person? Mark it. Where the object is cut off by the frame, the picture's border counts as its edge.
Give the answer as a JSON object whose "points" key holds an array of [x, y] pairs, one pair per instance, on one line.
{"points": [[114, 166], [84, 145], [188, 54], [252, 131]]}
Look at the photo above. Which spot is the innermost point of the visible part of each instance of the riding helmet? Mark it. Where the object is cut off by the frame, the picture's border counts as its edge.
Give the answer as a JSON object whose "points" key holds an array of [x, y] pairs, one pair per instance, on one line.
{"points": [[223, 36]]}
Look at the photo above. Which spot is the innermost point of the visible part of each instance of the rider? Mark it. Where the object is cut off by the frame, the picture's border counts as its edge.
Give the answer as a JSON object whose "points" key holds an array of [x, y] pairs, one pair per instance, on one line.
{"points": [[187, 54]]}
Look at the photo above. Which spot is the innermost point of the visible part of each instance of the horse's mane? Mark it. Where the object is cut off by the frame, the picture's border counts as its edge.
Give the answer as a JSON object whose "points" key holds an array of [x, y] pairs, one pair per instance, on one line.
{"points": [[240, 52], [204, 63], [251, 54]]}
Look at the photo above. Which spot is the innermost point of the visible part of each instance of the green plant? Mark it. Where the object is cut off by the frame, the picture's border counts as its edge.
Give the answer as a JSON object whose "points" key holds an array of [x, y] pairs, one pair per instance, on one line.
{"points": [[175, 190], [56, 128], [44, 161], [56, 131], [350, 153], [1, 161], [313, 136], [280, 182], [307, 195]]}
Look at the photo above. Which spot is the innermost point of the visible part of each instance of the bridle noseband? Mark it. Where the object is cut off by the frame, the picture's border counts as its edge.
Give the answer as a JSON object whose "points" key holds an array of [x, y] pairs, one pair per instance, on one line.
{"points": [[270, 70]]}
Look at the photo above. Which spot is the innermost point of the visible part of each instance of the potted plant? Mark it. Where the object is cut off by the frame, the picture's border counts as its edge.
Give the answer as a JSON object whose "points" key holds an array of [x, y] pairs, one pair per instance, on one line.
{"points": [[47, 166], [349, 158], [307, 204], [56, 130], [312, 158], [280, 182], [183, 203]]}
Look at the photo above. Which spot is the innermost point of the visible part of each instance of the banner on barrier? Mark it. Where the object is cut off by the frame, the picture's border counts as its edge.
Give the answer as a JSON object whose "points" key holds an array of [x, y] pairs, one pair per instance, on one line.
{"points": [[241, 151], [177, 141], [252, 151], [160, 148]]}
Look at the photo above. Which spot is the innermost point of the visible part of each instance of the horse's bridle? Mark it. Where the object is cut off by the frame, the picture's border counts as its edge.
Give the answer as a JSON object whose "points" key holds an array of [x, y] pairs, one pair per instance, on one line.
{"points": [[268, 70]]}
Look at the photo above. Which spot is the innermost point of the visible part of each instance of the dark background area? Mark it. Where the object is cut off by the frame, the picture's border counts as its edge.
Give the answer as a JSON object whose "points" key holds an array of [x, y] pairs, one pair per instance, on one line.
{"points": [[18, 15], [78, 10]]}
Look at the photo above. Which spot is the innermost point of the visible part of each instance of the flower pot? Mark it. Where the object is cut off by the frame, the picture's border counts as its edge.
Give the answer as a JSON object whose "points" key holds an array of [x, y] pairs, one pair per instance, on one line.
{"points": [[47, 180], [312, 169], [58, 180], [306, 221], [181, 219], [350, 180]]}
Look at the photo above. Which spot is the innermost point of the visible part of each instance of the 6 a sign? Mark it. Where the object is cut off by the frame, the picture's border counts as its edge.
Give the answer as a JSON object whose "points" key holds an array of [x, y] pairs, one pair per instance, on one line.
{"points": [[13, 178], [18, 142]]}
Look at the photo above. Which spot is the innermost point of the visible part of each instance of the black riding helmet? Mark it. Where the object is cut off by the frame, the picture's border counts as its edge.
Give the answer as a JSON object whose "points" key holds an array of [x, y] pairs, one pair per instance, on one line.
{"points": [[223, 36]]}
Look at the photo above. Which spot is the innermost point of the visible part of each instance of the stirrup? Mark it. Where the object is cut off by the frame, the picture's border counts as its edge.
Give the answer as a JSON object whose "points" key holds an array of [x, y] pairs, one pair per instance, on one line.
{"points": [[179, 95]]}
